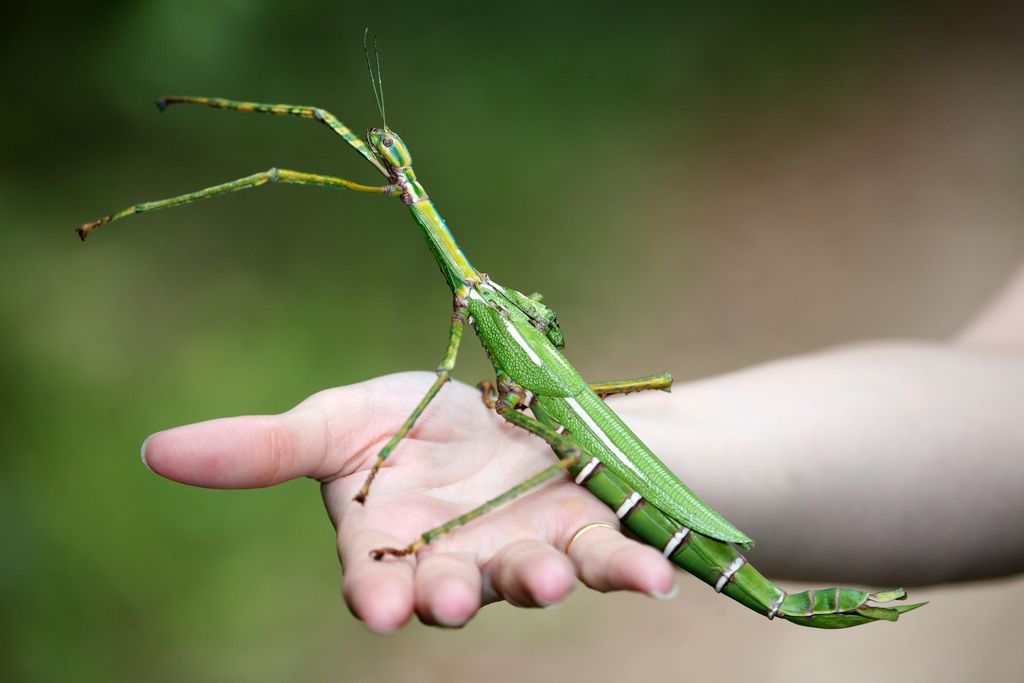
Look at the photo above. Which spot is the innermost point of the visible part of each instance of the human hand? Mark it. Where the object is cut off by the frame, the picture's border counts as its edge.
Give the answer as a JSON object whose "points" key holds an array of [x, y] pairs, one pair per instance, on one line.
{"points": [[458, 455]]}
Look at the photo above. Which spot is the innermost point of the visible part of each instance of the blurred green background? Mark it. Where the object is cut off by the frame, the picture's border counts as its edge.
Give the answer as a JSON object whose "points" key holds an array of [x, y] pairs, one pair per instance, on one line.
{"points": [[763, 178]]}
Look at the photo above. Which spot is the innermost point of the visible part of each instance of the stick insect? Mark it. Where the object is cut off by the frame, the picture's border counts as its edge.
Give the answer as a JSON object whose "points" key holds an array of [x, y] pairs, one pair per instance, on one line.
{"points": [[538, 390]]}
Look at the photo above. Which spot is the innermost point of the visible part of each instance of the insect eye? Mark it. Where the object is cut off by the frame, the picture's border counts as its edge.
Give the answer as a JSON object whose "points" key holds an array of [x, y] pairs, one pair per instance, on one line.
{"points": [[388, 142]]}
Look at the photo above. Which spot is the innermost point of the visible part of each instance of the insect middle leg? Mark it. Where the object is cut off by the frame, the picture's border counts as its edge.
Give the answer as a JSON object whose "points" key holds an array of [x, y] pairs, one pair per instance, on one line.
{"points": [[444, 374], [489, 393], [569, 455]]}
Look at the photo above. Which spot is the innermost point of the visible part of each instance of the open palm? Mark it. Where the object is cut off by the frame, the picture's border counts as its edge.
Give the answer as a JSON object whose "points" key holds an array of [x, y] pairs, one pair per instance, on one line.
{"points": [[458, 455]]}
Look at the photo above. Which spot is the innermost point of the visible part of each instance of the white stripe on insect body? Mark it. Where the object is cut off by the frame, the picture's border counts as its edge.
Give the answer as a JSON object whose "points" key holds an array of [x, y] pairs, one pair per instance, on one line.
{"points": [[509, 326], [733, 567], [674, 542], [587, 471], [599, 433], [522, 343], [776, 605], [810, 602], [628, 505]]}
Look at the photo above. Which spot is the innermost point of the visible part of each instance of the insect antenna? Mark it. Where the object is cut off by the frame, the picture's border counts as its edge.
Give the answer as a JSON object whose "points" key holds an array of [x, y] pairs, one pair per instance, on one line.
{"points": [[377, 82]]}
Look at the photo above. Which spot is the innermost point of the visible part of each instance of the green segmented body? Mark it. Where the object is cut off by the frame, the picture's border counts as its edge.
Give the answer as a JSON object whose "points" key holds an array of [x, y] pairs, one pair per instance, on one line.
{"points": [[723, 567], [688, 532], [522, 338]]}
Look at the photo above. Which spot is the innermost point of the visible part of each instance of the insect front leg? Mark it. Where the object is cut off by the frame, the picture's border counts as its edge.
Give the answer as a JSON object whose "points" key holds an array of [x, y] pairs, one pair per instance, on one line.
{"points": [[444, 370], [273, 175], [300, 110]]}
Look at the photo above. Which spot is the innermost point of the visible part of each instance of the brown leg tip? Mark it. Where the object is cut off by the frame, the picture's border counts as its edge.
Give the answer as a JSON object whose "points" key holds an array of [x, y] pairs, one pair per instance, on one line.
{"points": [[84, 230], [379, 553], [487, 394], [360, 497]]}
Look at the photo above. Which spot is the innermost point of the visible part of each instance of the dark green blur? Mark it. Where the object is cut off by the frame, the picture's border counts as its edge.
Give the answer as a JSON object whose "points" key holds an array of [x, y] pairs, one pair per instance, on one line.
{"points": [[542, 134]]}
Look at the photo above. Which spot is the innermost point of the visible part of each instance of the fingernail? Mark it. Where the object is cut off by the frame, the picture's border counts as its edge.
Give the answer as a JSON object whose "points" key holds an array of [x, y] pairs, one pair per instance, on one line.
{"points": [[143, 454], [670, 595]]}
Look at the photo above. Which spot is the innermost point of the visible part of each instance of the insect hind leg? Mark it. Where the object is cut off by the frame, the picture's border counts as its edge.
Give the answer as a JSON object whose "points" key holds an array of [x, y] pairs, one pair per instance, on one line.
{"points": [[661, 382], [569, 455]]}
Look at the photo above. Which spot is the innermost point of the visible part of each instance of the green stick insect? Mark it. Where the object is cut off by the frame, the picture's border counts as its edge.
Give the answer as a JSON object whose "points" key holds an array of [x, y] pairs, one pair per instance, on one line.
{"points": [[538, 390]]}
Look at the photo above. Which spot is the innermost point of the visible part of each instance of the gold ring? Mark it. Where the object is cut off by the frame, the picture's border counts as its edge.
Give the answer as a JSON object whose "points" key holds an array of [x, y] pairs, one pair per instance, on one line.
{"points": [[584, 529]]}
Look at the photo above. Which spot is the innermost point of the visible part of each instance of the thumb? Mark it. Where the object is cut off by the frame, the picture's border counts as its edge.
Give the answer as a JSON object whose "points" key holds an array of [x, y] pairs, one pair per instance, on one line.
{"points": [[318, 438]]}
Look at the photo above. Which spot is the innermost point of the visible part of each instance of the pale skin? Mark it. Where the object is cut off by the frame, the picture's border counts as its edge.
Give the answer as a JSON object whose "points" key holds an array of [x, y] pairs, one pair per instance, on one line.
{"points": [[883, 463]]}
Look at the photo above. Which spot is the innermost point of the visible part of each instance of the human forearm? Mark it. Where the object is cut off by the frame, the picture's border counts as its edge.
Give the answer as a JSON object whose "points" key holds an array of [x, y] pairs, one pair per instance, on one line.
{"points": [[876, 463]]}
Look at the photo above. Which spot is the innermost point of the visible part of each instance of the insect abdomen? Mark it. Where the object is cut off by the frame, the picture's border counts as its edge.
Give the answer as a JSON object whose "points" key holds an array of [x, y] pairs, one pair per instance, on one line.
{"points": [[724, 568], [602, 433]]}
